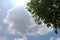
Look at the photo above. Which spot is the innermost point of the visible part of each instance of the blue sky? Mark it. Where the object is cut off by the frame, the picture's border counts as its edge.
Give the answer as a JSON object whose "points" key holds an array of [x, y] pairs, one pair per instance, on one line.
{"points": [[17, 24]]}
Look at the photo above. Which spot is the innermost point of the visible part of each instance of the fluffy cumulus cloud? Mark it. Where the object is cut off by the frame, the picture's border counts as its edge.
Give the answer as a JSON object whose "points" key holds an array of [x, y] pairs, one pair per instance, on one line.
{"points": [[19, 20]]}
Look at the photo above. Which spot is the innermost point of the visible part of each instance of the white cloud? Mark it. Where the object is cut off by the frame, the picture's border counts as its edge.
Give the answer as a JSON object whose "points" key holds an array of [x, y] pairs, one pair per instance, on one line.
{"points": [[58, 38], [19, 20], [41, 30], [52, 38], [44, 30], [1, 14], [21, 38]]}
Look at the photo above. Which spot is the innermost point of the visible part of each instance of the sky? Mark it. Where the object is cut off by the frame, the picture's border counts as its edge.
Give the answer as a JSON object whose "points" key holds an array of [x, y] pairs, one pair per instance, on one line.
{"points": [[17, 24]]}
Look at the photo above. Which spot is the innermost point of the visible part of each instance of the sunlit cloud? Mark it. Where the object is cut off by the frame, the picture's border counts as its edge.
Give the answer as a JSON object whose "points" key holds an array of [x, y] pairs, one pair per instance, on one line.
{"points": [[18, 2], [21, 38]]}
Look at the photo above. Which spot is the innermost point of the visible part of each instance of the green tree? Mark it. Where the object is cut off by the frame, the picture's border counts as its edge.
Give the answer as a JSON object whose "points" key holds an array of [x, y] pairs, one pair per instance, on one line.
{"points": [[47, 11]]}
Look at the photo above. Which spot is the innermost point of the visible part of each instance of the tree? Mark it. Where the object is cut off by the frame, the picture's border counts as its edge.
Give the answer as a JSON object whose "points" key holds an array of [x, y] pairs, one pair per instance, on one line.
{"points": [[47, 11]]}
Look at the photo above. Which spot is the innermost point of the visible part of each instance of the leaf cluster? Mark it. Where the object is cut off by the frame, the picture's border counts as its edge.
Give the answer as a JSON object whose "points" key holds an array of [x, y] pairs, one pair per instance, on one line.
{"points": [[47, 11]]}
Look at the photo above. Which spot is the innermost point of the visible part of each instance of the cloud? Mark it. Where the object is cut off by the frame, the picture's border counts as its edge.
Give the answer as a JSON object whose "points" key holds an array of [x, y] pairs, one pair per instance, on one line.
{"points": [[2, 16], [19, 20], [21, 38], [53, 38], [44, 29], [3, 38], [41, 30], [58, 39]]}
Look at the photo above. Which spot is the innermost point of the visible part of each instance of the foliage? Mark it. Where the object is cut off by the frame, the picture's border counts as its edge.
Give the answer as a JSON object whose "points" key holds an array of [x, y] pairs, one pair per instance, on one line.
{"points": [[47, 11]]}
